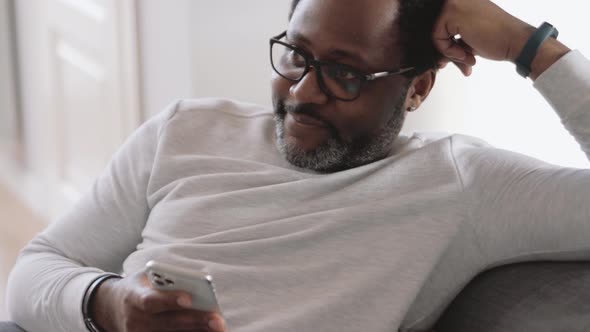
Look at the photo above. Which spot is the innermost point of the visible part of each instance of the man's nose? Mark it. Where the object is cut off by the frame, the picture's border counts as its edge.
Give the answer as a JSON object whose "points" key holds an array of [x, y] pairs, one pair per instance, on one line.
{"points": [[308, 91]]}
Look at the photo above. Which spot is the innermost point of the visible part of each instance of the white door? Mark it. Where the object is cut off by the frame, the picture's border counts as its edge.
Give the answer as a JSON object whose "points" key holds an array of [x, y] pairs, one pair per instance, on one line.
{"points": [[79, 88], [9, 131]]}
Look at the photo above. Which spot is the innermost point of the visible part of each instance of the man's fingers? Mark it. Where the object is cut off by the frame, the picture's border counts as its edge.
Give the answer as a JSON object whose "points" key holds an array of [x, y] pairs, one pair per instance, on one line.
{"points": [[454, 49], [443, 63], [451, 49], [465, 62], [152, 301], [147, 309], [465, 68], [469, 60], [182, 320], [187, 320]]}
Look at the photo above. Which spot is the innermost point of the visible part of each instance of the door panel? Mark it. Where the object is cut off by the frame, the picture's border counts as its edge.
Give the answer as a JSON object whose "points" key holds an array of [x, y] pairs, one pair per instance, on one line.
{"points": [[90, 122], [83, 138], [87, 85], [9, 121]]}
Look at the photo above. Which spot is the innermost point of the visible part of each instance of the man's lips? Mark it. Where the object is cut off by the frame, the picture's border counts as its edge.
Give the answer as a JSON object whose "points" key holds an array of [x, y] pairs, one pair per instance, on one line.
{"points": [[307, 120]]}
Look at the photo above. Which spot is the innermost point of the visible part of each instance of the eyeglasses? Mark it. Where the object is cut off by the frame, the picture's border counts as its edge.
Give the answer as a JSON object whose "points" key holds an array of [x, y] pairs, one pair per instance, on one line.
{"points": [[335, 80]]}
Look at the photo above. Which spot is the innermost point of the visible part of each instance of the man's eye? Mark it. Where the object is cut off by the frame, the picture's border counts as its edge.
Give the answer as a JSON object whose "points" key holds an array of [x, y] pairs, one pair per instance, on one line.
{"points": [[342, 74]]}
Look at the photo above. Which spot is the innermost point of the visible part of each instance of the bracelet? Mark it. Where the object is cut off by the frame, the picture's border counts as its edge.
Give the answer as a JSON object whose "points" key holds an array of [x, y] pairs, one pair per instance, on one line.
{"points": [[532, 46], [91, 325]]}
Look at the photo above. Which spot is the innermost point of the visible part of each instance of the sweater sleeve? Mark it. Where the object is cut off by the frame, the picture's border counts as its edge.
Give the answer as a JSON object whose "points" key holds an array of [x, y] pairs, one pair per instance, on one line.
{"points": [[523, 208], [46, 286]]}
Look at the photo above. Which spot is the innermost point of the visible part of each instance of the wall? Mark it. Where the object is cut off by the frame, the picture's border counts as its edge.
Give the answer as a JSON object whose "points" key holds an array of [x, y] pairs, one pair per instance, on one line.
{"points": [[230, 47], [207, 48], [165, 50]]}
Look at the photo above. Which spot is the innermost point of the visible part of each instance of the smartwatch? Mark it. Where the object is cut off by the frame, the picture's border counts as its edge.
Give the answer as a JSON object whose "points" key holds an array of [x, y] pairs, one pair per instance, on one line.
{"points": [[532, 46]]}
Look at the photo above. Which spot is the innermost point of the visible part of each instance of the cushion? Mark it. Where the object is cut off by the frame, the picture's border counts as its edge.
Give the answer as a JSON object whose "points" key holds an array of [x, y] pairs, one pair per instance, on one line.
{"points": [[10, 327], [539, 297]]}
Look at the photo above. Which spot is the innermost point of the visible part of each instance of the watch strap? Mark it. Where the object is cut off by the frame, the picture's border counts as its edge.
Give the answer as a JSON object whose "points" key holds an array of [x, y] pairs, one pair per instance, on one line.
{"points": [[532, 46]]}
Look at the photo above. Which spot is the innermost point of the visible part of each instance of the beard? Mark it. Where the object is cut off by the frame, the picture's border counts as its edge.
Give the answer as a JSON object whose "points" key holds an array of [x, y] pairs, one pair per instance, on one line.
{"points": [[334, 154]]}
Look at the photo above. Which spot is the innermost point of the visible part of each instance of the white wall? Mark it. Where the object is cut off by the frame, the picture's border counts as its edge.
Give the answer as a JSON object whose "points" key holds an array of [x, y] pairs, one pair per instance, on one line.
{"points": [[230, 47], [165, 51], [207, 48], [498, 105]]}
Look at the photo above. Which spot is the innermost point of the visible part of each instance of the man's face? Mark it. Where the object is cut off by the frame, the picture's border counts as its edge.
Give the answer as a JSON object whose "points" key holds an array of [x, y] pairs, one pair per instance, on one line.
{"points": [[319, 132]]}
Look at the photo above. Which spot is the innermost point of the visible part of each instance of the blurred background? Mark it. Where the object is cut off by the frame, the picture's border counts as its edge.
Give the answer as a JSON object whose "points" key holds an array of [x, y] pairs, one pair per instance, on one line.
{"points": [[78, 76]]}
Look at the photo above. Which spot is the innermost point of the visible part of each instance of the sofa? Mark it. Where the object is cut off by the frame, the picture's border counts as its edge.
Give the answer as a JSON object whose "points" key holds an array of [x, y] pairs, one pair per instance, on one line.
{"points": [[536, 297], [523, 297], [9, 327]]}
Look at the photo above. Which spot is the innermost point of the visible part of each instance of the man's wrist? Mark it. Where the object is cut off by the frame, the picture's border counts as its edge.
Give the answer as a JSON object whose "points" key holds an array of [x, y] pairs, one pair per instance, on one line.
{"points": [[97, 301], [522, 31], [551, 50], [102, 303]]}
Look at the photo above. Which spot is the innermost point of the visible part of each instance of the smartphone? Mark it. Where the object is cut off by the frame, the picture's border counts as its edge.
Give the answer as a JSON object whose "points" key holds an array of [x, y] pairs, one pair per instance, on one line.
{"points": [[198, 284]]}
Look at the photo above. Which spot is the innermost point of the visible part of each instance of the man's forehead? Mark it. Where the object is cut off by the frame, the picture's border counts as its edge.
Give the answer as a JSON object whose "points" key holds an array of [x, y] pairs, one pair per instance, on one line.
{"points": [[351, 24]]}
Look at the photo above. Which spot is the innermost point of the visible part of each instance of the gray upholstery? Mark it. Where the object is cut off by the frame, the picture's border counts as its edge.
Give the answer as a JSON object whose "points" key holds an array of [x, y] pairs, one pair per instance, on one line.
{"points": [[9, 327], [536, 297], [539, 297]]}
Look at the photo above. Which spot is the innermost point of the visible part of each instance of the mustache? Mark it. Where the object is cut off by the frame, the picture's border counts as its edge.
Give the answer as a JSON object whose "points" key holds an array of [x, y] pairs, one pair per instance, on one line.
{"points": [[305, 109]]}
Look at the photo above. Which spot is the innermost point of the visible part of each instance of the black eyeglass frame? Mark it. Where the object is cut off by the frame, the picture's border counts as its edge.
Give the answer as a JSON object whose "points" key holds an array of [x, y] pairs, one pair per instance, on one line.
{"points": [[311, 62]]}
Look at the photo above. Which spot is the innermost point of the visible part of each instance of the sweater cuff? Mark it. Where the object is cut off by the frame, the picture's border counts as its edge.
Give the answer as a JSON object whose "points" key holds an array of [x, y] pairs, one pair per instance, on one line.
{"points": [[565, 85]]}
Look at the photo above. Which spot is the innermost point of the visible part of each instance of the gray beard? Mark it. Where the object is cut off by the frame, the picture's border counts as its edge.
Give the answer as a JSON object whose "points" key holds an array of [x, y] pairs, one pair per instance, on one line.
{"points": [[335, 155]]}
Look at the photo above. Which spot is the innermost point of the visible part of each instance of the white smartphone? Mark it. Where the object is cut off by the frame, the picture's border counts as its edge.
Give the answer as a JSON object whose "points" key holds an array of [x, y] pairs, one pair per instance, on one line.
{"points": [[199, 284]]}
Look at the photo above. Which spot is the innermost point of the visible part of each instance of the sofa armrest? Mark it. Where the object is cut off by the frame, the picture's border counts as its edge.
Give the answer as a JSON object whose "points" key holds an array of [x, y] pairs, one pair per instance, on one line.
{"points": [[538, 296], [10, 327]]}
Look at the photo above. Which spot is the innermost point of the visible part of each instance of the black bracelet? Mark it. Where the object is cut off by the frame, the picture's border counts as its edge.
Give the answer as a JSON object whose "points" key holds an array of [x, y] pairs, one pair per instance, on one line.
{"points": [[91, 325], [532, 46]]}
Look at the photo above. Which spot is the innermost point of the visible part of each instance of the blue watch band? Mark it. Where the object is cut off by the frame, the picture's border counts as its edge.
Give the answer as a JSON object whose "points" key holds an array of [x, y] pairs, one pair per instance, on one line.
{"points": [[532, 46]]}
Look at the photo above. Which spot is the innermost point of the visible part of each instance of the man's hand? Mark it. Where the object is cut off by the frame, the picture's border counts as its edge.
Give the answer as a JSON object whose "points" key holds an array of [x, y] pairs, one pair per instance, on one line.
{"points": [[488, 31], [131, 304]]}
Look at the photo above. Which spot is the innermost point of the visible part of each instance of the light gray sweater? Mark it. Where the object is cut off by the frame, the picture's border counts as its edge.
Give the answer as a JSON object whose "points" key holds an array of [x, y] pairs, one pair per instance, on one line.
{"points": [[377, 248]]}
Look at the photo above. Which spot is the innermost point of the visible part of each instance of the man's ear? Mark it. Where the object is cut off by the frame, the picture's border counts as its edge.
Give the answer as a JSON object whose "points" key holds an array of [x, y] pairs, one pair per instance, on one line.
{"points": [[419, 89]]}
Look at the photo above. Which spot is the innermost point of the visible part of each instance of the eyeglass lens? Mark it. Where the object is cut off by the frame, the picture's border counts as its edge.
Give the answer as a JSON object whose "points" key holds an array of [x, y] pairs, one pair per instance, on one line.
{"points": [[339, 80]]}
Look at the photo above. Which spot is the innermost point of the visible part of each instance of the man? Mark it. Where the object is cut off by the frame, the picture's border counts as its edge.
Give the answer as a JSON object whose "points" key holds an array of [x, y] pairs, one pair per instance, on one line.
{"points": [[317, 216]]}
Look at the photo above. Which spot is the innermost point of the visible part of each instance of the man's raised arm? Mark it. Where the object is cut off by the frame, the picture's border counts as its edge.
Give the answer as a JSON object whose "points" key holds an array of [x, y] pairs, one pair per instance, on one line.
{"points": [[522, 208], [486, 30]]}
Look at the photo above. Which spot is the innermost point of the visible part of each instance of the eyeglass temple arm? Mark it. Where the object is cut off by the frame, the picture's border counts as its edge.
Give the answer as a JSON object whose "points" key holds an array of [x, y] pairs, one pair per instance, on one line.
{"points": [[388, 73], [280, 36]]}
